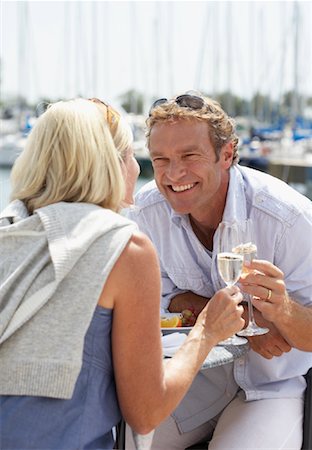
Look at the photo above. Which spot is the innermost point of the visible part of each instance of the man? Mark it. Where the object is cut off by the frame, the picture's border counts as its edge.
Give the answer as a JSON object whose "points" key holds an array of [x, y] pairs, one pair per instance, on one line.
{"points": [[193, 148]]}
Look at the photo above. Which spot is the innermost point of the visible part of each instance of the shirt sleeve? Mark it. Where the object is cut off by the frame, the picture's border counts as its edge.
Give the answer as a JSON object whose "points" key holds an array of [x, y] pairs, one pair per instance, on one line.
{"points": [[169, 291], [294, 258]]}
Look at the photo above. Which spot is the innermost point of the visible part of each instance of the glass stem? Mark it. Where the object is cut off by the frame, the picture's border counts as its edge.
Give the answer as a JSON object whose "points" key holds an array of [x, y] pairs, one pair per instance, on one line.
{"points": [[251, 317]]}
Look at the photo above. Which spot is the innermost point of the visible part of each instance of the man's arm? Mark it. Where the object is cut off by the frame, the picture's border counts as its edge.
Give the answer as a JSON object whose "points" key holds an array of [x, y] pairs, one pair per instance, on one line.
{"points": [[269, 344], [293, 321], [188, 300]]}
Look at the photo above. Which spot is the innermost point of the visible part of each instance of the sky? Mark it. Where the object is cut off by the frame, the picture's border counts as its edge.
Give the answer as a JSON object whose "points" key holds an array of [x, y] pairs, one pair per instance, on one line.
{"points": [[160, 48]]}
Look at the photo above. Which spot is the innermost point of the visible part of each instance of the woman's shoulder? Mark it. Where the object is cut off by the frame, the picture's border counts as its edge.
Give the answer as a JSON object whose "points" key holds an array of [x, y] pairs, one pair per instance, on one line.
{"points": [[138, 260], [135, 275], [140, 246]]}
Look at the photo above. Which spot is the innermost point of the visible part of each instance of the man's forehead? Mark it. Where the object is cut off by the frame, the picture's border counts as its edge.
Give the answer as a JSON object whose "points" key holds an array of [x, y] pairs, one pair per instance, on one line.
{"points": [[181, 122], [187, 133], [181, 149]]}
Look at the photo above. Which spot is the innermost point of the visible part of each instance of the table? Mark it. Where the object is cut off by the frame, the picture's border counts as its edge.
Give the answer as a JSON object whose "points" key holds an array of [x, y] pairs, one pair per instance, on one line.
{"points": [[224, 354], [218, 356]]}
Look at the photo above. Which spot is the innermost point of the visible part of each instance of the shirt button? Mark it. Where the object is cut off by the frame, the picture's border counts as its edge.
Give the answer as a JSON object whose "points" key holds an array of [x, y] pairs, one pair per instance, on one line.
{"points": [[259, 200]]}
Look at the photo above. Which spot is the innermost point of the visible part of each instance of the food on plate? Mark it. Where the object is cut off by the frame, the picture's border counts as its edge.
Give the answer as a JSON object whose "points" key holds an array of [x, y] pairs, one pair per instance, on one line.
{"points": [[188, 318], [171, 320]]}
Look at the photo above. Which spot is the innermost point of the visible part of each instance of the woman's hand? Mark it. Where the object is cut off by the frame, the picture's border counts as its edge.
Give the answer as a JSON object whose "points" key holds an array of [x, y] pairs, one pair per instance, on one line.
{"points": [[222, 316]]}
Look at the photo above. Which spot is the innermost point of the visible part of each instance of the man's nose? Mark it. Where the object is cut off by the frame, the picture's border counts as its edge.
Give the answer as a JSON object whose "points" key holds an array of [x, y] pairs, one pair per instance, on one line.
{"points": [[176, 170]]}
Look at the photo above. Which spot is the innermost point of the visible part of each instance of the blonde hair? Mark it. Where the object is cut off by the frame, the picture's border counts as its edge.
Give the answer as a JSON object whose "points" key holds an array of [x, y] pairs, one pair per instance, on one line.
{"points": [[71, 155], [221, 126]]}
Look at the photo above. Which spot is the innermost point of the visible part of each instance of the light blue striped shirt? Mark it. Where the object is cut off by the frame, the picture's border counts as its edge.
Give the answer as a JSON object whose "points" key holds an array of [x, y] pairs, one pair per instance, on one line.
{"points": [[283, 228]]}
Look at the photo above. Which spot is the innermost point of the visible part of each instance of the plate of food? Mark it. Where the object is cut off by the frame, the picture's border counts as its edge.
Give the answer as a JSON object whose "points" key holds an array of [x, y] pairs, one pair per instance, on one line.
{"points": [[174, 322], [167, 330]]}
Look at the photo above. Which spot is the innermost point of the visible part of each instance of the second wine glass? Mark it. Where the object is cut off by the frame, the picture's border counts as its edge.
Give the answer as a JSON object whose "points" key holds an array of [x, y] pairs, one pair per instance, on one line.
{"points": [[248, 249]]}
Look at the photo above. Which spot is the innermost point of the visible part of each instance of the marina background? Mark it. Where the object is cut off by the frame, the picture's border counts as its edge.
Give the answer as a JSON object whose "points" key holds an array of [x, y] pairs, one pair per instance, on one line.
{"points": [[254, 57], [5, 185], [61, 49]]}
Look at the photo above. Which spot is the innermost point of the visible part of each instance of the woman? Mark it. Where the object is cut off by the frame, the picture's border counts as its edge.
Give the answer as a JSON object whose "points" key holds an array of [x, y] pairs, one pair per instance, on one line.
{"points": [[80, 292]]}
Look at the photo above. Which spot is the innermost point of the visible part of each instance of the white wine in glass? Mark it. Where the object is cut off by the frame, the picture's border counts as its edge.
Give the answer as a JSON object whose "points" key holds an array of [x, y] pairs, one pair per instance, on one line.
{"points": [[248, 250], [230, 267], [230, 264]]}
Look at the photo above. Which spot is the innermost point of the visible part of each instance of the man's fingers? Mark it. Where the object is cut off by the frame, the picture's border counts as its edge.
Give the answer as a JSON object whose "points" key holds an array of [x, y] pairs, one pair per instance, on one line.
{"points": [[266, 268]]}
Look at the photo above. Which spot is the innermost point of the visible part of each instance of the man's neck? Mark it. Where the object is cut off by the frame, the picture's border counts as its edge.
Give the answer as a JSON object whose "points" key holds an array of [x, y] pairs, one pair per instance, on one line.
{"points": [[204, 231], [206, 221]]}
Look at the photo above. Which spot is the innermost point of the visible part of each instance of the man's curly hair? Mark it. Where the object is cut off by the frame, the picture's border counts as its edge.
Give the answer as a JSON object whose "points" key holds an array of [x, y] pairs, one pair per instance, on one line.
{"points": [[221, 126]]}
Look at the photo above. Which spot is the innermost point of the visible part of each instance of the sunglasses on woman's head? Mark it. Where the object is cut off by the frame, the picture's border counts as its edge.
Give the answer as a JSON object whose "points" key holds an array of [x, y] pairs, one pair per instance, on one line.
{"points": [[185, 101], [112, 116]]}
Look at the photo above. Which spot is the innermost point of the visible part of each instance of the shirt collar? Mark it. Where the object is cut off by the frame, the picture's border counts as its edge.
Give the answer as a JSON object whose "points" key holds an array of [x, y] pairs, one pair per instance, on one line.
{"points": [[235, 206]]}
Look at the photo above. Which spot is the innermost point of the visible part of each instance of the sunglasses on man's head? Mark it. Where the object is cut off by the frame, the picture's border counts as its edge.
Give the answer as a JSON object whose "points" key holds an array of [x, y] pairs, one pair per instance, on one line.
{"points": [[185, 101]]}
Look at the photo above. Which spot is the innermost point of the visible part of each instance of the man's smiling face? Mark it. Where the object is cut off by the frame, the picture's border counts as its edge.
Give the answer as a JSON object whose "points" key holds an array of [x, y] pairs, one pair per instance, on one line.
{"points": [[185, 166]]}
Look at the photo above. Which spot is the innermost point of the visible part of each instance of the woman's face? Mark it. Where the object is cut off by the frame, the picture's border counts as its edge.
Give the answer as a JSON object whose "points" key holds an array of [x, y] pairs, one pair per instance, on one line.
{"points": [[131, 171]]}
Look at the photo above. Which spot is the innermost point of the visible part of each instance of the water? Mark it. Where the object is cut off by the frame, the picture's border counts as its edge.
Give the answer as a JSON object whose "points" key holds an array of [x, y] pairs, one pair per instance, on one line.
{"points": [[5, 186], [141, 181]]}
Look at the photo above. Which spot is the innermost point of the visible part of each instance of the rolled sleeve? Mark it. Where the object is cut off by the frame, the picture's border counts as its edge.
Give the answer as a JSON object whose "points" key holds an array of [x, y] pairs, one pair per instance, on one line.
{"points": [[169, 291], [294, 257]]}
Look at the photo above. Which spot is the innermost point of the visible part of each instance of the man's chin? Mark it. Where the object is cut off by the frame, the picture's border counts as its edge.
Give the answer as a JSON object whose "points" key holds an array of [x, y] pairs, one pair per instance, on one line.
{"points": [[175, 204], [180, 209]]}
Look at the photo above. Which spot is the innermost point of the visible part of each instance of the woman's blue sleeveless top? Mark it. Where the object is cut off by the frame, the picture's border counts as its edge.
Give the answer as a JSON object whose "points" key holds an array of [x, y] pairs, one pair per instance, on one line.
{"points": [[83, 422]]}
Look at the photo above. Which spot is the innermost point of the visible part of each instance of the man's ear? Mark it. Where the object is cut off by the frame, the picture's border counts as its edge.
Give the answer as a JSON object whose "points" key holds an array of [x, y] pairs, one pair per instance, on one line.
{"points": [[226, 155]]}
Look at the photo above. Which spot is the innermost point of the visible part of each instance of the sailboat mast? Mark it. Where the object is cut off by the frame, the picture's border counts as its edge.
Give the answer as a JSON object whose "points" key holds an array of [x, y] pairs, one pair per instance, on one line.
{"points": [[294, 106], [157, 56], [133, 28], [22, 51], [170, 31], [67, 40], [229, 60], [216, 51], [202, 50], [94, 62]]}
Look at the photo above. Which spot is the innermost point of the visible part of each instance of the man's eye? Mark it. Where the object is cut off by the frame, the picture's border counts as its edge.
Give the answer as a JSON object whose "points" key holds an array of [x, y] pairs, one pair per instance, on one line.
{"points": [[158, 160], [190, 156]]}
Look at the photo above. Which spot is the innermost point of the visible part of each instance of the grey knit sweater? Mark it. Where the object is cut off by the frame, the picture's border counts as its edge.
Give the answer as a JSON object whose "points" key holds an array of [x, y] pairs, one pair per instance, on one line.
{"points": [[53, 266]]}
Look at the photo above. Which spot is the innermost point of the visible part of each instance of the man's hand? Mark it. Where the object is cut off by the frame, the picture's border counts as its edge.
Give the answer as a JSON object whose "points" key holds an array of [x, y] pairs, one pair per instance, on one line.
{"points": [[270, 344], [265, 282], [260, 284], [188, 300]]}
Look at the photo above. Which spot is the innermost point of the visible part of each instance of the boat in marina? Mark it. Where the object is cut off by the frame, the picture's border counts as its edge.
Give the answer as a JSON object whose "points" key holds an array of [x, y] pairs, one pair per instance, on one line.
{"points": [[289, 157], [137, 123], [10, 148], [14, 132]]}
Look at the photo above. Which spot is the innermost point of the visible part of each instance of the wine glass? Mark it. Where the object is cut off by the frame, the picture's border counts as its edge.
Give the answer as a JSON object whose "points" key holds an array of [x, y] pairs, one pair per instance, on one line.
{"points": [[248, 249], [230, 264]]}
